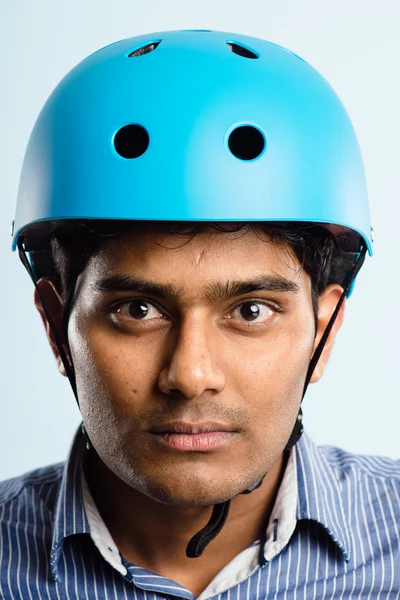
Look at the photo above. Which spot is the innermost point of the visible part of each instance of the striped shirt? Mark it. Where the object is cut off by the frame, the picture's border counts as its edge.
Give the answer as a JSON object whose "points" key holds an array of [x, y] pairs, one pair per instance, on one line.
{"points": [[334, 532]]}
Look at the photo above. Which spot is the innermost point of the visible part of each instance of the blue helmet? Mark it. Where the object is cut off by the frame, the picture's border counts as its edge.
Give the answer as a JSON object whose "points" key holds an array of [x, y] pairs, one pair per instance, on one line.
{"points": [[194, 126]]}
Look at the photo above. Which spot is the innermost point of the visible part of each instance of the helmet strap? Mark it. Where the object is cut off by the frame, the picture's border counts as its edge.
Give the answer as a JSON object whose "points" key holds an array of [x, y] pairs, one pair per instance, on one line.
{"points": [[298, 427], [200, 540], [67, 366]]}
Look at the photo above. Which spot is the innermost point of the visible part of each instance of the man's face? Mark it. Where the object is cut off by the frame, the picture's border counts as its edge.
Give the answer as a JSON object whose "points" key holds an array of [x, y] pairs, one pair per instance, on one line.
{"points": [[190, 357]]}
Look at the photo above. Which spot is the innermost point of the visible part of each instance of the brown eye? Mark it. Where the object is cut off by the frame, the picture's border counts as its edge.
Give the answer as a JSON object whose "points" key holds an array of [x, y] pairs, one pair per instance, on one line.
{"points": [[252, 312], [139, 310]]}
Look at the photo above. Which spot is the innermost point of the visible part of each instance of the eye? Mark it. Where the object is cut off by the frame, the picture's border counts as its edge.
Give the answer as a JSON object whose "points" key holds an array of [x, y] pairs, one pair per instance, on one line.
{"points": [[139, 310], [252, 312]]}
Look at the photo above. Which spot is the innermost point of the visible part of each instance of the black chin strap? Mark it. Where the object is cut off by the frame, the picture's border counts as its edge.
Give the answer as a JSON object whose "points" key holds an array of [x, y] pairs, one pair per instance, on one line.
{"points": [[298, 427], [67, 366], [64, 359], [200, 540]]}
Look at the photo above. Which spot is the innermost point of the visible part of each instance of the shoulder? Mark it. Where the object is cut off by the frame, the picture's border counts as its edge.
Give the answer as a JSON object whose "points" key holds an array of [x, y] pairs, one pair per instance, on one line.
{"points": [[358, 488], [357, 499], [361, 465], [37, 483], [369, 487]]}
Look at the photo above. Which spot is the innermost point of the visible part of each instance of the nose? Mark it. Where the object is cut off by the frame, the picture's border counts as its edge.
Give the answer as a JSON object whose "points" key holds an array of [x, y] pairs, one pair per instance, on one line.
{"points": [[192, 366]]}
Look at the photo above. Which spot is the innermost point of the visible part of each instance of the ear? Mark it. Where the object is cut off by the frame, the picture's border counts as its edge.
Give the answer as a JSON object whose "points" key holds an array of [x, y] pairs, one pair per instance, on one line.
{"points": [[327, 303], [52, 299]]}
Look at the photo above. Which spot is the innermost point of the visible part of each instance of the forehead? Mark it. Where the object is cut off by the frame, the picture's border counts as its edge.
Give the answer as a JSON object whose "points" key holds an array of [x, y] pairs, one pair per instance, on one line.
{"points": [[204, 256]]}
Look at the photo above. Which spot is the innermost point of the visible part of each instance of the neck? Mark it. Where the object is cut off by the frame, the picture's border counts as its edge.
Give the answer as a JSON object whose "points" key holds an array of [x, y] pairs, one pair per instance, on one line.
{"points": [[155, 536]]}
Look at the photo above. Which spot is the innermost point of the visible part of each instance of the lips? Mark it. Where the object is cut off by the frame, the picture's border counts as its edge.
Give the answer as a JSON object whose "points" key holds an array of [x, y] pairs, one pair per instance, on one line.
{"points": [[193, 437], [190, 428]]}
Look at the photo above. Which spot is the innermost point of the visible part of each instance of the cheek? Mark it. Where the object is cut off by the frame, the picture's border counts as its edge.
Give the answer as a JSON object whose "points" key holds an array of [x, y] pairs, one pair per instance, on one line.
{"points": [[277, 358], [115, 373], [269, 375]]}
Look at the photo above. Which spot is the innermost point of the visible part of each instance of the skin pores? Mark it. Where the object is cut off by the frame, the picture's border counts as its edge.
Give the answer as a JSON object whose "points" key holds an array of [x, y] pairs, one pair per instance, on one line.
{"points": [[190, 358]]}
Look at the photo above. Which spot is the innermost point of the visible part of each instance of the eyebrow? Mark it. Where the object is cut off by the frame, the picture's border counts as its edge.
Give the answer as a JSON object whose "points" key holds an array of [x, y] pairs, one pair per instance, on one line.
{"points": [[268, 283], [125, 283], [215, 291]]}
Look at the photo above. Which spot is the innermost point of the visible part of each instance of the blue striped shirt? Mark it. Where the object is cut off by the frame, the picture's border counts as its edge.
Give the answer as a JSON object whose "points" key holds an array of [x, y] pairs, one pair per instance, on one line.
{"points": [[334, 532]]}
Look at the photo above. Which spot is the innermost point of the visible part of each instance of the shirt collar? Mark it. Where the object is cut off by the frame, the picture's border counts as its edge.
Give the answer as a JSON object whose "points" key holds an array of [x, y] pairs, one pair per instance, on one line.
{"points": [[320, 495], [70, 516], [310, 490]]}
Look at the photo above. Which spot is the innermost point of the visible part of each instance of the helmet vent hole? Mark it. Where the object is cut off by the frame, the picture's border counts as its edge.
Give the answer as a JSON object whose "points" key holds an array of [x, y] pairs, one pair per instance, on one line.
{"points": [[246, 142], [131, 141], [144, 49], [241, 50]]}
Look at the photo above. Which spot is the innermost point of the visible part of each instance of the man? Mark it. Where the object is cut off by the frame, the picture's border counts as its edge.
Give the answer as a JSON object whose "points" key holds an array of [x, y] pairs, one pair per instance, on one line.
{"points": [[192, 211]]}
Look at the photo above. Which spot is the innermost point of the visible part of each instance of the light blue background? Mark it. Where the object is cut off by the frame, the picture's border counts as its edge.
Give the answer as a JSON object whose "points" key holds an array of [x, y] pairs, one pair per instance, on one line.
{"points": [[356, 45]]}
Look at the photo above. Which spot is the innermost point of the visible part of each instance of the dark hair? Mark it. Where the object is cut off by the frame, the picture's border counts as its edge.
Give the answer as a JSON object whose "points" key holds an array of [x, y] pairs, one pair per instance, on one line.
{"points": [[74, 242]]}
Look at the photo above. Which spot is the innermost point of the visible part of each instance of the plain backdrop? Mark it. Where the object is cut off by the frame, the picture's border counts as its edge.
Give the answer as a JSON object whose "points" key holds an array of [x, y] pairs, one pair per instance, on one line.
{"points": [[355, 44]]}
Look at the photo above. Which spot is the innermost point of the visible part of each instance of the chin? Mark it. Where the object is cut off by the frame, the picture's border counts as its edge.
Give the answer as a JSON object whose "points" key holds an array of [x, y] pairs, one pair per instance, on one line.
{"points": [[191, 490], [187, 497]]}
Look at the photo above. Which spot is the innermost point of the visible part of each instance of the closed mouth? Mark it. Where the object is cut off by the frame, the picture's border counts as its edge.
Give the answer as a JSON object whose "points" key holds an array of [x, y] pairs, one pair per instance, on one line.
{"points": [[185, 427]]}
